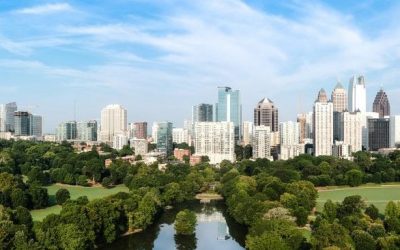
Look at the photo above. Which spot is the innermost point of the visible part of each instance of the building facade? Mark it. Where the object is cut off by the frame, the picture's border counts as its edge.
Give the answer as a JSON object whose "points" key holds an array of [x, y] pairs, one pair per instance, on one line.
{"points": [[164, 138], [306, 127], [141, 146], [229, 109], [394, 131], [140, 130], [266, 114], [215, 140], [381, 104], [352, 130], [119, 141], [36, 124], [378, 133], [181, 135], [247, 133], [202, 113], [22, 123], [66, 131], [7, 122], [262, 142], [339, 101], [113, 122], [86, 130], [323, 125]]}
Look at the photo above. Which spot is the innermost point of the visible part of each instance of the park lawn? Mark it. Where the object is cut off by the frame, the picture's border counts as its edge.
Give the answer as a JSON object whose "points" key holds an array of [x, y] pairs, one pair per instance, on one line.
{"points": [[75, 192], [379, 195]]}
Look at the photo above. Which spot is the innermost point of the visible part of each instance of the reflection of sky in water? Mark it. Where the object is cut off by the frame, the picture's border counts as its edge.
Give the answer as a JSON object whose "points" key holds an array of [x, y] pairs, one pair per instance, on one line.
{"points": [[209, 227]]}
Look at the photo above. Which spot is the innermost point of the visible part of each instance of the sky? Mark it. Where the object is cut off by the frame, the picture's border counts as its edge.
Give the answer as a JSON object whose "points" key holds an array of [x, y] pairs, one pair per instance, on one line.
{"points": [[158, 58]]}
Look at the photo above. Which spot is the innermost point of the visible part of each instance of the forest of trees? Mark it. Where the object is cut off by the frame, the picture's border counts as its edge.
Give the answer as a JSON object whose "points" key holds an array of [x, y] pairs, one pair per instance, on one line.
{"points": [[273, 199]]}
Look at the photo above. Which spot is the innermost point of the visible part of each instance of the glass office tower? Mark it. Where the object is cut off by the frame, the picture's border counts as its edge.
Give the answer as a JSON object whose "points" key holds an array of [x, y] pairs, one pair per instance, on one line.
{"points": [[229, 108]]}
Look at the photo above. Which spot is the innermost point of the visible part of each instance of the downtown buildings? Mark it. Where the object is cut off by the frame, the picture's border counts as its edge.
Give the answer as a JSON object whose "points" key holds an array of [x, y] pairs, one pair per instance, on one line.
{"points": [[113, 122], [229, 109], [323, 125]]}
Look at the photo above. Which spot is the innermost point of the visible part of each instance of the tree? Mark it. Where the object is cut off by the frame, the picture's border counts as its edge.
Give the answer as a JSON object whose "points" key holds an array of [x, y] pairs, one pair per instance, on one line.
{"points": [[363, 240], [334, 234], [71, 237], [22, 216], [18, 198], [301, 215], [7, 181], [205, 159], [267, 241], [330, 210], [185, 222], [106, 182], [354, 177], [40, 197], [372, 211], [62, 195]]}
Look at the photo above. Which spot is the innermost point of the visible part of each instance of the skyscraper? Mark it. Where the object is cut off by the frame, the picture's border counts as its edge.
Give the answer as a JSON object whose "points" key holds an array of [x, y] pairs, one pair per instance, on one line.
{"points": [[86, 131], [378, 133], [66, 131], [323, 125], [113, 122], [394, 131], [357, 94], [381, 104], [140, 130], [262, 142], [351, 130], [266, 114], [164, 137], [306, 127], [36, 123], [215, 140], [202, 113], [247, 133], [180, 135], [22, 123], [339, 101], [7, 122], [229, 109]]}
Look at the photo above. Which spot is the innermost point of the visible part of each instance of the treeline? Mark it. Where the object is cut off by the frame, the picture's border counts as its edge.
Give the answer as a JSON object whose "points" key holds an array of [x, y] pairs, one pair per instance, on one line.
{"points": [[271, 208], [84, 224], [353, 225]]}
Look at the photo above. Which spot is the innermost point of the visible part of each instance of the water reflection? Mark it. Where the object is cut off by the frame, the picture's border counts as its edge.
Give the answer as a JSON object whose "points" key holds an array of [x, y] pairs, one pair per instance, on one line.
{"points": [[214, 230]]}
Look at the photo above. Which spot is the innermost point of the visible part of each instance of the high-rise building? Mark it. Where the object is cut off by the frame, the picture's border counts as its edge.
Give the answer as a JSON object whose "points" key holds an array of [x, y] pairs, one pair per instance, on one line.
{"points": [[22, 123], [215, 140], [7, 122], [66, 131], [358, 102], [119, 141], [154, 132], [339, 98], [306, 127], [381, 104], [247, 133], [202, 113], [378, 133], [86, 131], [323, 125], [395, 131], [113, 122], [140, 130], [339, 101], [352, 130], [290, 140], [229, 109], [289, 133], [36, 124], [140, 146], [180, 135], [266, 114], [357, 94], [164, 138], [262, 142]]}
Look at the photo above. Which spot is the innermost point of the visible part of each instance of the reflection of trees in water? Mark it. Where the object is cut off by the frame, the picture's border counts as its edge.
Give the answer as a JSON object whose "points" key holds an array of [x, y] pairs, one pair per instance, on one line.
{"points": [[236, 231], [185, 242]]}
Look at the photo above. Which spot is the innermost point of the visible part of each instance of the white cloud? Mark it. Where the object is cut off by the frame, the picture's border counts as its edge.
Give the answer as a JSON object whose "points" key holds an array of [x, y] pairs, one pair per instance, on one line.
{"points": [[46, 9]]}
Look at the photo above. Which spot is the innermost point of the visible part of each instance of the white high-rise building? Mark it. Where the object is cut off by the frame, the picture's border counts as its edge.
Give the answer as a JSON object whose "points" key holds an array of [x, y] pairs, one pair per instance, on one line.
{"points": [[154, 132], [352, 130], [323, 125], [180, 135], [262, 142], [290, 140], [119, 141], [113, 122], [247, 133], [7, 117], [394, 140], [215, 140], [358, 102], [131, 130], [289, 133]]}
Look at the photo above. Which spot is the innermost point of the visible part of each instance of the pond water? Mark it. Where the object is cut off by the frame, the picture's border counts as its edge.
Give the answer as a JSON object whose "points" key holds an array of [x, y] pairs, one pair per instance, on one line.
{"points": [[214, 230]]}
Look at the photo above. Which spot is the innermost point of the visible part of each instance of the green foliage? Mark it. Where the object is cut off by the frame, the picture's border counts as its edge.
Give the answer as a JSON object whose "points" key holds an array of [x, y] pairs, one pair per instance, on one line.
{"points": [[62, 196], [363, 240], [354, 177], [185, 222], [372, 211]]}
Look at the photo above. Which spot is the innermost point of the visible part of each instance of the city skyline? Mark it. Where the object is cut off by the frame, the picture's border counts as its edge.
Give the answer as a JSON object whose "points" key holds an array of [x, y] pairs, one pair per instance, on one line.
{"points": [[133, 50]]}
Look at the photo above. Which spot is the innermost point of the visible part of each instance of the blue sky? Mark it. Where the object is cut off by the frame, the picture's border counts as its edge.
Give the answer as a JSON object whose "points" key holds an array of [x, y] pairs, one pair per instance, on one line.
{"points": [[158, 58]]}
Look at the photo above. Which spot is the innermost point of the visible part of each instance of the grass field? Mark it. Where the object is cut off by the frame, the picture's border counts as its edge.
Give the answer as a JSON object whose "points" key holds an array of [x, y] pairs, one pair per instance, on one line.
{"points": [[75, 192], [379, 195]]}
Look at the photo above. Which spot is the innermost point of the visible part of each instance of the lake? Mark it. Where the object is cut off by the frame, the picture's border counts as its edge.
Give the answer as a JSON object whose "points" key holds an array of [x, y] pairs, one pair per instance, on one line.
{"points": [[215, 230]]}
